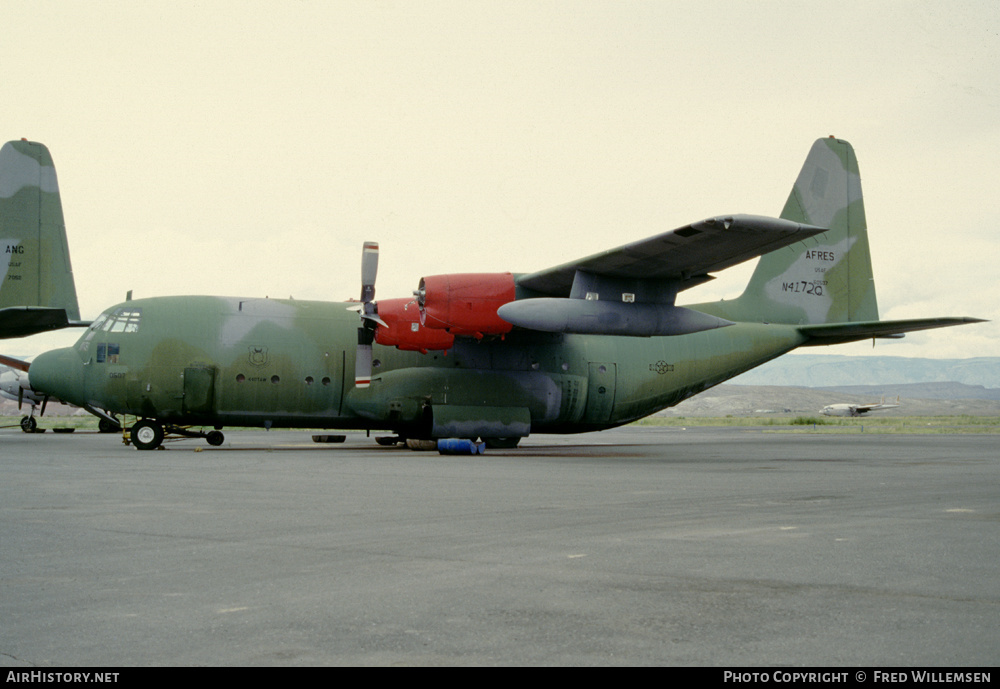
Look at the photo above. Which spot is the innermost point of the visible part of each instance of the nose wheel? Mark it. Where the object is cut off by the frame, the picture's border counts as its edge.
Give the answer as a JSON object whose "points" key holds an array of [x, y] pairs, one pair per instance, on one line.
{"points": [[147, 434]]}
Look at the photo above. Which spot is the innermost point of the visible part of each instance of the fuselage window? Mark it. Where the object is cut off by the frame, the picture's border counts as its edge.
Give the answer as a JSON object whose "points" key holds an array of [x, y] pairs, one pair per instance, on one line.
{"points": [[107, 352]]}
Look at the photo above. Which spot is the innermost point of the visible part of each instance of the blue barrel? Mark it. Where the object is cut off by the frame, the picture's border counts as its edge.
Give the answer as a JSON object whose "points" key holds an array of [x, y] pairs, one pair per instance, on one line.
{"points": [[460, 446]]}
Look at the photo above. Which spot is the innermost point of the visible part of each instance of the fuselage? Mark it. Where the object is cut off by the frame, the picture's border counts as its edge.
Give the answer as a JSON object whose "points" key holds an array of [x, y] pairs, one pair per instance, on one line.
{"points": [[841, 410], [287, 363]]}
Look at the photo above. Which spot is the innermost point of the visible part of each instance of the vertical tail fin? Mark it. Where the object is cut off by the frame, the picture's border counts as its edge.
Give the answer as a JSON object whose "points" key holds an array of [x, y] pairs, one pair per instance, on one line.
{"points": [[827, 278], [37, 292]]}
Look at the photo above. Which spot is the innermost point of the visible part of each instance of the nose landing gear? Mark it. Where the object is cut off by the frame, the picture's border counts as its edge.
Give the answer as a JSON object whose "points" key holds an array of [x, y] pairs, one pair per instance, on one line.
{"points": [[149, 434]]}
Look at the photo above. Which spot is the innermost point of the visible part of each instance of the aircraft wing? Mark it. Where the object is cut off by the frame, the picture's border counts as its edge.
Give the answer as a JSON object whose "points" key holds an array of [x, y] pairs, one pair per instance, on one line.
{"points": [[18, 364], [685, 255], [865, 408]]}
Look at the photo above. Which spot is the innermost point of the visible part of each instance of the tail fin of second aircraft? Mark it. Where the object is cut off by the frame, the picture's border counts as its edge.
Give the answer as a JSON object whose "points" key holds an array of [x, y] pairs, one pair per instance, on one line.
{"points": [[37, 292], [827, 278]]}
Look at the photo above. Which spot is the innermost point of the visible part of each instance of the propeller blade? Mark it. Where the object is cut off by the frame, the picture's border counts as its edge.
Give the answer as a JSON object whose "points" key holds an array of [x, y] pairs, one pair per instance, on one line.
{"points": [[44, 403], [369, 316], [369, 269], [363, 358], [20, 397]]}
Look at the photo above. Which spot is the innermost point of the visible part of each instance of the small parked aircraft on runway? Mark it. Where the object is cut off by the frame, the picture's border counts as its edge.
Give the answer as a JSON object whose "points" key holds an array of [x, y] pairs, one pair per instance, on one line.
{"points": [[15, 384], [37, 293], [856, 409], [583, 346]]}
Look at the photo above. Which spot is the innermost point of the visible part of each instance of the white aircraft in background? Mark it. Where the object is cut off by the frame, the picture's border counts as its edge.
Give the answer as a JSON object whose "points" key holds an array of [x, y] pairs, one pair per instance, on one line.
{"points": [[856, 409], [15, 385]]}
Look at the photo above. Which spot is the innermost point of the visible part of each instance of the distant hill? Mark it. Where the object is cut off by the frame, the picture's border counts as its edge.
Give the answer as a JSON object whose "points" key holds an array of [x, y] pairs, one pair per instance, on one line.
{"points": [[927, 391], [833, 371], [757, 400]]}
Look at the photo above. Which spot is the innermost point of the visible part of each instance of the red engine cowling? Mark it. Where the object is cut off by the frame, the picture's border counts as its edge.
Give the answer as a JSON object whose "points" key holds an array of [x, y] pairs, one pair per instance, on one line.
{"points": [[466, 303], [405, 331]]}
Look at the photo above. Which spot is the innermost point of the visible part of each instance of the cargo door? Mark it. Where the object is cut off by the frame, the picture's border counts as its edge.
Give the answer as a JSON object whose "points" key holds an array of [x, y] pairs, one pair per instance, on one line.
{"points": [[199, 390]]}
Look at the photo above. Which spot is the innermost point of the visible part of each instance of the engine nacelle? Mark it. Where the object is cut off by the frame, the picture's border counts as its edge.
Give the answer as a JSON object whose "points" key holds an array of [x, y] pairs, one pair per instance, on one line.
{"points": [[466, 303], [402, 316]]}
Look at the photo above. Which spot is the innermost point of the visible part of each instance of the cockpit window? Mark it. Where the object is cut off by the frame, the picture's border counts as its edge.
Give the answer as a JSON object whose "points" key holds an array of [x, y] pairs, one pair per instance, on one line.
{"points": [[123, 320], [96, 325]]}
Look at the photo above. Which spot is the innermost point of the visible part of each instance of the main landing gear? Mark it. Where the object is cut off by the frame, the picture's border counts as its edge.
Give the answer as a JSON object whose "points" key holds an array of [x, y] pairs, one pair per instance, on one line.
{"points": [[107, 426], [149, 434], [430, 445]]}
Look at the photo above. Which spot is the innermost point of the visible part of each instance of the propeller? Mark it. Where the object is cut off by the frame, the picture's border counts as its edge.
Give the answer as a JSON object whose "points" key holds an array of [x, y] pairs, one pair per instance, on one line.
{"points": [[368, 310]]}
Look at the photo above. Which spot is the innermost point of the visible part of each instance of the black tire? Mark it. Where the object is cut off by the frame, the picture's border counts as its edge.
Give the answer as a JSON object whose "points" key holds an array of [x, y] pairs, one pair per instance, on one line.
{"points": [[501, 443], [28, 424], [215, 438], [421, 445], [147, 434], [105, 426]]}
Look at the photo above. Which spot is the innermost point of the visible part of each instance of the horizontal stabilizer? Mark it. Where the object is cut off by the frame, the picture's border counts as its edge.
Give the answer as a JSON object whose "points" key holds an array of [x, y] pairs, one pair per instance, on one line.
{"points": [[20, 321], [838, 333]]}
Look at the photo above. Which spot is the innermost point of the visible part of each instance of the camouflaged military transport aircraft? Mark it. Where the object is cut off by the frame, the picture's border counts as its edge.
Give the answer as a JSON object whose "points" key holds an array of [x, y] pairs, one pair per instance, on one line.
{"points": [[584, 346], [37, 293]]}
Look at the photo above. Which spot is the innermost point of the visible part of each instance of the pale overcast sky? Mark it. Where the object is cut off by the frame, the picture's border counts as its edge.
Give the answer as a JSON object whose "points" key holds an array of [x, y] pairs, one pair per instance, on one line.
{"points": [[249, 148]]}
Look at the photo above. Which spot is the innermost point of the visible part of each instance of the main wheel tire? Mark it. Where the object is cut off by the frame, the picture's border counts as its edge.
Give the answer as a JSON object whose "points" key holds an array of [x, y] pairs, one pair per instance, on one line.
{"points": [[147, 434], [105, 426], [501, 443], [421, 445], [215, 438]]}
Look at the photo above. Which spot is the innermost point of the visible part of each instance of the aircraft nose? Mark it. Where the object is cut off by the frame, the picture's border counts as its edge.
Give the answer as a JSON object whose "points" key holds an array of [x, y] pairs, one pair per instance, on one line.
{"points": [[59, 373]]}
